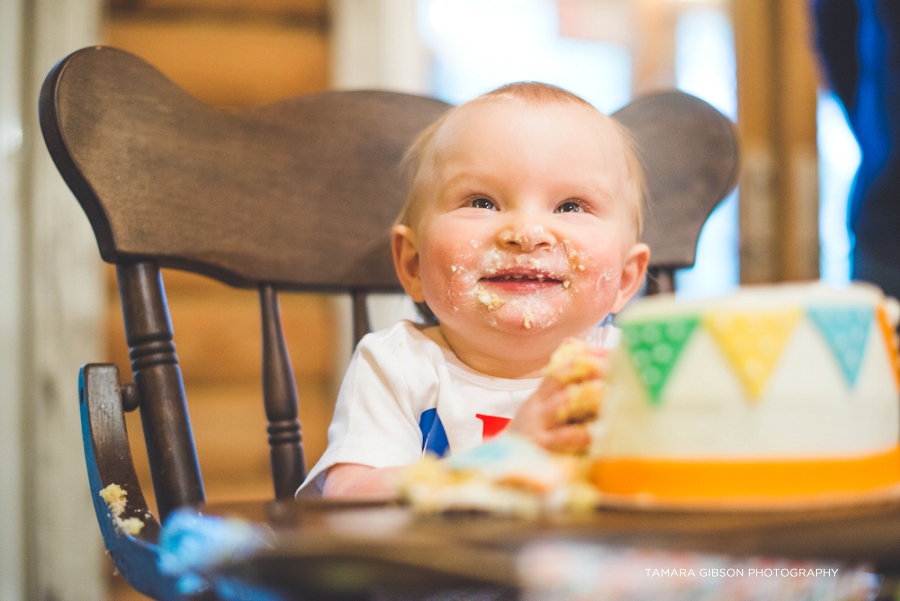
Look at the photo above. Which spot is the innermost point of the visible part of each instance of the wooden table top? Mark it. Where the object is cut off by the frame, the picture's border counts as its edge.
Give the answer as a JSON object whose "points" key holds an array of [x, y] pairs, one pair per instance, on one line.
{"points": [[322, 544]]}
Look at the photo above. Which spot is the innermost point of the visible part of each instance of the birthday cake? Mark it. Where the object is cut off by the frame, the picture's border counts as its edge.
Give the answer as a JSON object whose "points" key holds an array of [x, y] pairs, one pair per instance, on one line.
{"points": [[773, 392]]}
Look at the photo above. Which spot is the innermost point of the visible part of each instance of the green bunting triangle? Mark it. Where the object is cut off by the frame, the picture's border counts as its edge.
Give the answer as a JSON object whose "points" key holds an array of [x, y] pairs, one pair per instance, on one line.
{"points": [[654, 348]]}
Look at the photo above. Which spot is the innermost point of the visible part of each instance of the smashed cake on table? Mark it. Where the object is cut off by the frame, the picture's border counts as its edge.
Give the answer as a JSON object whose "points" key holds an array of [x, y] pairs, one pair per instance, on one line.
{"points": [[507, 475]]}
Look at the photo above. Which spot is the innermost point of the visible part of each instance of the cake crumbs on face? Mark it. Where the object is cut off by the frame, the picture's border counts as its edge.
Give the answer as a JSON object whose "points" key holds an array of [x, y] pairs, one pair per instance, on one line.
{"points": [[574, 258], [490, 300], [528, 319]]}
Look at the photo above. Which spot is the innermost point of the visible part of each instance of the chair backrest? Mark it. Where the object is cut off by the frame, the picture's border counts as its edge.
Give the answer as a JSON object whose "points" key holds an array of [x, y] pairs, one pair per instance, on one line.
{"points": [[298, 195], [690, 155]]}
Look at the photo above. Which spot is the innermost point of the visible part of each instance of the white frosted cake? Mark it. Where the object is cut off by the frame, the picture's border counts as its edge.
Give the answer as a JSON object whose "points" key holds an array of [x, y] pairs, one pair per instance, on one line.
{"points": [[773, 392]]}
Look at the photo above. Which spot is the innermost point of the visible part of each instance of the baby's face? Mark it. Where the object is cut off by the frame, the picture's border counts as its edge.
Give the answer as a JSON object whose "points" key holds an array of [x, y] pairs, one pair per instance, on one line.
{"points": [[527, 226]]}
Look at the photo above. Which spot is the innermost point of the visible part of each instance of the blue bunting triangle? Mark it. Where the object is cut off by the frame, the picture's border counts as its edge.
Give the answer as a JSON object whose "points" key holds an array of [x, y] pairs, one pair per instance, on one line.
{"points": [[846, 330]]}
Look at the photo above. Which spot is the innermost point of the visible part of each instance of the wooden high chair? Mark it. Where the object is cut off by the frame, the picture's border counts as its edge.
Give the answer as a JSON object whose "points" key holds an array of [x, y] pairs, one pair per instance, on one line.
{"points": [[294, 196]]}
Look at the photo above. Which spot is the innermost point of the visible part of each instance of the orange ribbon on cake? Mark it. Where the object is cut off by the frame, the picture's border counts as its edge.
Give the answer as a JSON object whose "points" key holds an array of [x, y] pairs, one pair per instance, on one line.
{"points": [[706, 479]]}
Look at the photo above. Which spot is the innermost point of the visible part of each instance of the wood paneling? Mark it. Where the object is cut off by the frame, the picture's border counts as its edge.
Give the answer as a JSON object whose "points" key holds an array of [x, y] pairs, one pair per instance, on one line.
{"points": [[653, 46], [218, 342], [230, 53], [278, 7], [755, 50], [797, 139], [230, 433], [777, 120], [210, 351], [228, 63]]}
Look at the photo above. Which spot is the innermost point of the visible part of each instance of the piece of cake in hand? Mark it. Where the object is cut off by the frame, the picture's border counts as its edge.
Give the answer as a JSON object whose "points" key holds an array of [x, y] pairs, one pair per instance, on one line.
{"points": [[582, 368]]}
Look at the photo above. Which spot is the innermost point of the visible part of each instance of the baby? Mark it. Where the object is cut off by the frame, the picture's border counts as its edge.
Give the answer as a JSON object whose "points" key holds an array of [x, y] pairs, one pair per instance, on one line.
{"points": [[521, 229]]}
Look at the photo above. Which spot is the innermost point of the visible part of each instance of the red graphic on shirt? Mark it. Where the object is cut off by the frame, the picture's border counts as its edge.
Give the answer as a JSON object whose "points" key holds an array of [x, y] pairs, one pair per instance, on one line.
{"points": [[491, 425]]}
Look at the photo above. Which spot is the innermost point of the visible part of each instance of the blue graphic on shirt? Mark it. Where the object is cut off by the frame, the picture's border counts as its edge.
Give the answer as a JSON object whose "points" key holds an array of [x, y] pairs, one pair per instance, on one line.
{"points": [[434, 438]]}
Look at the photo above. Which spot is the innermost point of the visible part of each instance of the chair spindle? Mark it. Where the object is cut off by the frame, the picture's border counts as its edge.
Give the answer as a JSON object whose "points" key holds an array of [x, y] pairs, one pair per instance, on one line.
{"points": [[280, 398], [157, 376], [361, 325], [660, 280]]}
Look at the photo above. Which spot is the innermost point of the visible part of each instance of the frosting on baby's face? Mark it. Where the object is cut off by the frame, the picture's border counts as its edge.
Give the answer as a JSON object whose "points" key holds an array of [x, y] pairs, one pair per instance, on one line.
{"points": [[528, 227]]}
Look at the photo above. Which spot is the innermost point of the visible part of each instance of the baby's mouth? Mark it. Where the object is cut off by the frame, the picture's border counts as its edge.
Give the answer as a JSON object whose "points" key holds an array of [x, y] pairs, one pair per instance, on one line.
{"points": [[522, 282]]}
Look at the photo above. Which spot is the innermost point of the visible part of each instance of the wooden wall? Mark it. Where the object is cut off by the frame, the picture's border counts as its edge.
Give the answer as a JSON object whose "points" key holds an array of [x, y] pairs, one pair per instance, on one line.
{"points": [[231, 53], [779, 192], [776, 89], [228, 53]]}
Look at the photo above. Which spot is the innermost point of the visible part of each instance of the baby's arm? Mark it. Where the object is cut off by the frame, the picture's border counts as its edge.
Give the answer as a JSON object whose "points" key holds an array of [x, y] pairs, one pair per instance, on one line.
{"points": [[352, 479], [377, 412]]}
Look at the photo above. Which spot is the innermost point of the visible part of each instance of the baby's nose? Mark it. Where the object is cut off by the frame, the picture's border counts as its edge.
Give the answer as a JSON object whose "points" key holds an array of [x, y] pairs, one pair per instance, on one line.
{"points": [[526, 237]]}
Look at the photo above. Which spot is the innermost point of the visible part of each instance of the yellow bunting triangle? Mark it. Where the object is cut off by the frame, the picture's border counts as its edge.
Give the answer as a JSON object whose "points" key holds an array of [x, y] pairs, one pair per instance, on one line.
{"points": [[752, 343]]}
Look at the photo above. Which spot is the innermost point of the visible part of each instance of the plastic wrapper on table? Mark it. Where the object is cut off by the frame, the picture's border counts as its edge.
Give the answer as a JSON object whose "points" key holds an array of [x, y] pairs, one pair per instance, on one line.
{"points": [[192, 546]]}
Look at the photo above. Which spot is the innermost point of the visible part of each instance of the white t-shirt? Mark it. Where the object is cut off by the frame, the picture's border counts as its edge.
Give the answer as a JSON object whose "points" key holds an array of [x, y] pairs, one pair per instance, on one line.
{"points": [[405, 395]]}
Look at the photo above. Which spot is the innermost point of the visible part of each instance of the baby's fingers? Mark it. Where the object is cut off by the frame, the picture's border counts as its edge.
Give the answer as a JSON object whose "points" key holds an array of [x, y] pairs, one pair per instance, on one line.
{"points": [[553, 408], [571, 438], [549, 387]]}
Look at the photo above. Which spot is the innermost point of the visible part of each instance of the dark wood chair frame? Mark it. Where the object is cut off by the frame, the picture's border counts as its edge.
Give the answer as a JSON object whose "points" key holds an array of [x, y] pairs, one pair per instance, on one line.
{"points": [[238, 195]]}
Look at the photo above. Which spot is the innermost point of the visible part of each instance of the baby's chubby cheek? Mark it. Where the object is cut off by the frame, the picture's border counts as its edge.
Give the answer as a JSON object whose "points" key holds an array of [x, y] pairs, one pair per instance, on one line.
{"points": [[448, 282]]}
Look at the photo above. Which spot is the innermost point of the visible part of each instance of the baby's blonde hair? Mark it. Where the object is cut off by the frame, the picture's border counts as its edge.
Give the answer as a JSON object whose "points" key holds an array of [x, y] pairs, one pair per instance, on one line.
{"points": [[423, 157]]}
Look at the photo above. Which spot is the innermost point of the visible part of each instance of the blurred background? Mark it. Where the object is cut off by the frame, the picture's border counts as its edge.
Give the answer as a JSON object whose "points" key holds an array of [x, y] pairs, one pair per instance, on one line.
{"points": [[752, 59]]}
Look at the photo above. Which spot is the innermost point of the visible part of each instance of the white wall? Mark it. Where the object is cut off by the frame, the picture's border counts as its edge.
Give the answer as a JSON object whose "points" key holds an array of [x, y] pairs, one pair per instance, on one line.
{"points": [[12, 584], [50, 311], [374, 45]]}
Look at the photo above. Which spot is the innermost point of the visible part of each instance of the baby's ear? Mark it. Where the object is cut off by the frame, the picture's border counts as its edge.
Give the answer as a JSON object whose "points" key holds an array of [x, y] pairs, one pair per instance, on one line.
{"points": [[406, 261], [634, 268]]}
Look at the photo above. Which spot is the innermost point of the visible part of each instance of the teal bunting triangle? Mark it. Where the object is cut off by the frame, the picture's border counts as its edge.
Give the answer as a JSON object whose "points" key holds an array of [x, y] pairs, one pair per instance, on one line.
{"points": [[846, 330], [654, 348]]}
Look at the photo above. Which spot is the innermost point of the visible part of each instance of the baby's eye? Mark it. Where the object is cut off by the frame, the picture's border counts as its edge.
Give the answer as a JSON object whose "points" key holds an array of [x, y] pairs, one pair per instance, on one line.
{"points": [[569, 207], [483, 203]]}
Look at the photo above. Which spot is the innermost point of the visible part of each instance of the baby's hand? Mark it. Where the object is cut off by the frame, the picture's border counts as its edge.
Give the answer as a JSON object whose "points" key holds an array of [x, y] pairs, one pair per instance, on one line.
{"points": [[556, 416], [541, 418]]}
